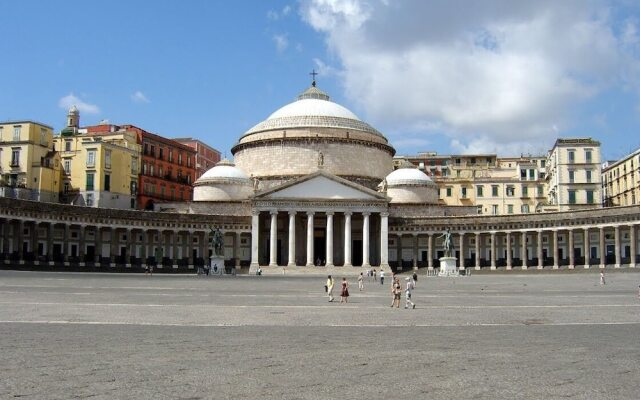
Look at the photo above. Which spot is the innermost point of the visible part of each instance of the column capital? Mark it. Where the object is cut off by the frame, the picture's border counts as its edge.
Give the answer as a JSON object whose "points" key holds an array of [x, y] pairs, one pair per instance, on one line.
{"points": [[310, 213], [349, 213], [461, 233], [273, 212], [367, 213], [330, 213], [384, 214], [292, 213], [255, 212]]}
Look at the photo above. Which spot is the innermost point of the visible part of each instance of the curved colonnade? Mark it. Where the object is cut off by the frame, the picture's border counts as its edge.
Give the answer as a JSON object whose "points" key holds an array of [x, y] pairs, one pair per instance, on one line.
{"points": [[34, 233]]}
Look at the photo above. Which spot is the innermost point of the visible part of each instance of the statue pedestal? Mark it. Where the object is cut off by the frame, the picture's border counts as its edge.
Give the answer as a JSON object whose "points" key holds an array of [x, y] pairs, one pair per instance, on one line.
{"points": [[448, 266], [216, 265]]}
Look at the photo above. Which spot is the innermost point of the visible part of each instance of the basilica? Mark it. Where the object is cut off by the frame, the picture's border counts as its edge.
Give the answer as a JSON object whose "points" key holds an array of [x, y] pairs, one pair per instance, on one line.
{"points": [[314, 187]]}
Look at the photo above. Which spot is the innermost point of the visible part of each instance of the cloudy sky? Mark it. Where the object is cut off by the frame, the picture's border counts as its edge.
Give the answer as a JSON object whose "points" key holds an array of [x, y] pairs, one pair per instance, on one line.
{"points": [[451, 76]]}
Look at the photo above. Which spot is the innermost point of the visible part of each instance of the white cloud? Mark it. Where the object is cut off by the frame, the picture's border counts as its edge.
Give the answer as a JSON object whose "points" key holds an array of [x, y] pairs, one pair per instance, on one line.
{"points": [[494, 75], [139, 97], [281, 42], [70, 100], [274, 15]]}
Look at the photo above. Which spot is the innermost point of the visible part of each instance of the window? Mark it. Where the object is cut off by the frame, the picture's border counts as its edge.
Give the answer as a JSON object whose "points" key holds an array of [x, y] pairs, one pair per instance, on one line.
{"points": [[588, 155], [90, 199], [589, 196], [588, 176], [151, 170], [67, 166], [66, 187], [571, 176], [107, 182], [17, 130], [494, 209], [90, 181], [524, 208], [572, 156], [170, 155], [479, 190], [188, 161], [15, 157], [153, 150], [160, 153], [107, 159], [532, 174], [479, 208], [540, 191], [43, 137], [91, 158], [523, 174], [464, 192], [511, 191], [542, 163], [134, 188], [449, 190], [144, 168], [525, 191], [134, 166], [160, 170], [180, 159], [509, 208], [572, 197], [494, 190], [67, 145]]}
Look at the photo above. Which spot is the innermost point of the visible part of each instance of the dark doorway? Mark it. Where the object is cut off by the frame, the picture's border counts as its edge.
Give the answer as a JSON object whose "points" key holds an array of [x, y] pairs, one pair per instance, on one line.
{"points": [[320, 250], [91, 252], [278, 252], [123, 252], [357, 252]]}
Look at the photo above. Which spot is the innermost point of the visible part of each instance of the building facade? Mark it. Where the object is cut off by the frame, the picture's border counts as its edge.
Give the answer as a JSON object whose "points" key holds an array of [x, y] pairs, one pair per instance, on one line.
{"points": [[574, 174], [29, 168], [206, 156], [314, 187], [621, 181]]}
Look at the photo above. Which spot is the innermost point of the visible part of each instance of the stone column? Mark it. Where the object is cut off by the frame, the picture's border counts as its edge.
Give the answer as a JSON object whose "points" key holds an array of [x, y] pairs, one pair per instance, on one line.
{"points": [[509, 255], [430, 251], [587, 248], [113, 244], [310, 239], [236, 249], [365, 239], [20, 238], [98, 244], [82, 244], [204, 247], [632, 245], [50, 230], [329, 246], [347, 239], [273, 239], [603, 248], [255, 230], [616, 230], [539, 249], [462, 251], [572, 261], [556, 253], [384, 240], [478, 237], [291, 260], [493, 250], [190, 259], [416, 250], [399, 252], [523, 249]]}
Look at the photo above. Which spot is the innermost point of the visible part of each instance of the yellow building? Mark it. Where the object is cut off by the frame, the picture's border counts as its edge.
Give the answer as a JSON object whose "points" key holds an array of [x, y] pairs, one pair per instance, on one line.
{"points": [[29, 168], [98, 170], [621, 181]]}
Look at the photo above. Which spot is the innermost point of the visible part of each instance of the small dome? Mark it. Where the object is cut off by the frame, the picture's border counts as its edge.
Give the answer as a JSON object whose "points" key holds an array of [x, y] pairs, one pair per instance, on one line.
{"points": [[73, 110], [408, 176], [224, 169]]}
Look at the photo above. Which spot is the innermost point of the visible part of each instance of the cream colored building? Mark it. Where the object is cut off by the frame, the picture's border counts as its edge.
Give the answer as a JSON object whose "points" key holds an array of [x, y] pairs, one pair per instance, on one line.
{"points": [[621, 181], [98, 170], [29, 168], [574, 174]]}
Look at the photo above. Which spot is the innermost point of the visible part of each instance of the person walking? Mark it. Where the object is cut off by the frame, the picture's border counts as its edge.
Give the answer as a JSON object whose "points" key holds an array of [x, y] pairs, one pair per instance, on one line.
{"points": [[415, 278], [361, 282], [330, 288], [381, 277], [396, 292], [344, 292], [602, 282], [374, 275], [407, 293]]}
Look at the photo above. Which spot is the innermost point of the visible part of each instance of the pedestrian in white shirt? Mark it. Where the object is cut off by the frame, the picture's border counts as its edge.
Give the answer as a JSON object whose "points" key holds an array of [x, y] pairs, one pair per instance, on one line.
{"points": [[407, 293]]}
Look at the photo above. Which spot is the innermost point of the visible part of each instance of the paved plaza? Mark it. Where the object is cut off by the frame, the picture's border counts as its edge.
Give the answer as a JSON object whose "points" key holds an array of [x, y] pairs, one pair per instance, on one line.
{"points": [[545, 336]]}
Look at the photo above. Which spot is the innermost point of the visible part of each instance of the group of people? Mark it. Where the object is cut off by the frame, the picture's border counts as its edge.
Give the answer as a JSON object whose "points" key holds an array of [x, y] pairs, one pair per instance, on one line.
{"points": [[396, 288]]}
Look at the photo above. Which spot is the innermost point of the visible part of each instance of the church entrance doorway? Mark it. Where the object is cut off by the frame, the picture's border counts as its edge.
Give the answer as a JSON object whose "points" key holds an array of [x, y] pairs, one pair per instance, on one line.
{"points": [[357, 252], [320, 246]]}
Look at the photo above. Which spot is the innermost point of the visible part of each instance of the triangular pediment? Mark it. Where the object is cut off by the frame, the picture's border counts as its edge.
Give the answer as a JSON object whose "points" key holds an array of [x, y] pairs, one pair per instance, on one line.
{"points": [[321, 186]]}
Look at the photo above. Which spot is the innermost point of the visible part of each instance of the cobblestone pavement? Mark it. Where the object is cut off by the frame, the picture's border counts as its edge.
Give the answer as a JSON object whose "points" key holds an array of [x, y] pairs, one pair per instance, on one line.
{"points": [[65, 335]]}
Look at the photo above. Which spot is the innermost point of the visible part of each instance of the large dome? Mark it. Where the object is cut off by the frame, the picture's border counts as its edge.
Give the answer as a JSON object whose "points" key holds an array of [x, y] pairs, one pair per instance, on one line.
{"points": [[288, 144]]}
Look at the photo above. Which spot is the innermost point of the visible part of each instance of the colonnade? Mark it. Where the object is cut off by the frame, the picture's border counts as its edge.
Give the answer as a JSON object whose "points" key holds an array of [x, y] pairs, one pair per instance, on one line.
{"points": [[585, 246], [332, 249]]}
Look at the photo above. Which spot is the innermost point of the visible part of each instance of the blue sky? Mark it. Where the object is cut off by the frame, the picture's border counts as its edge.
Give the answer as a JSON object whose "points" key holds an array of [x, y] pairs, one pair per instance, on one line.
{"points": [[505, 77]]}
